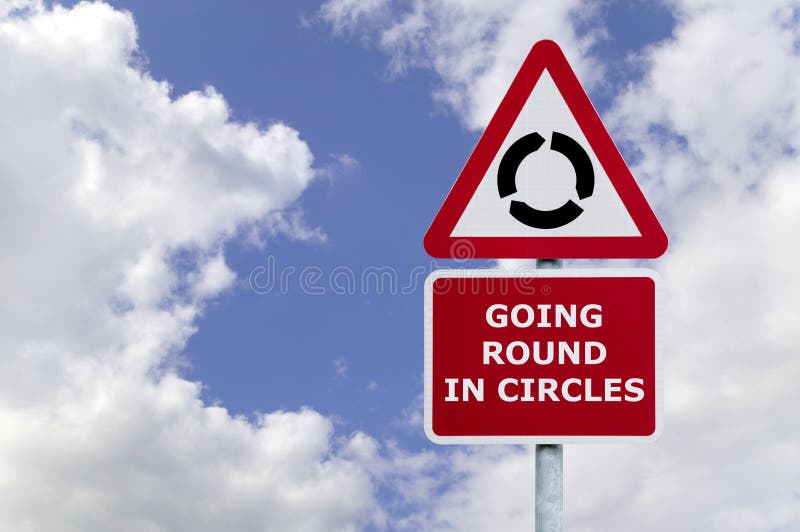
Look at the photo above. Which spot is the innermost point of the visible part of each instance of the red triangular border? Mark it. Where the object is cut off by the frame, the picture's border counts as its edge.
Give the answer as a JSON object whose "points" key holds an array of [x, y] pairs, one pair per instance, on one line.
{"points": [[653, 240]]}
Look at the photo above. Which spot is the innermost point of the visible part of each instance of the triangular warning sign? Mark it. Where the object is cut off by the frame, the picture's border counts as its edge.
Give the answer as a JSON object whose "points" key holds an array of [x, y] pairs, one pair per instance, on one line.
{"points": [[545, 179]]}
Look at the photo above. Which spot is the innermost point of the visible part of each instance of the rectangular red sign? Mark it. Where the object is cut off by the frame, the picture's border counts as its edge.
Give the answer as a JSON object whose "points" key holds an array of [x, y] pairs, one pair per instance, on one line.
{"points": [[542, 356]]}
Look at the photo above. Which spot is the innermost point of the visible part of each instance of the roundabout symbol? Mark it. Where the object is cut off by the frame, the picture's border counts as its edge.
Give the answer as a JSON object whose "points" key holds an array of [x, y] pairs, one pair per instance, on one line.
{"points": [[507, 185]]}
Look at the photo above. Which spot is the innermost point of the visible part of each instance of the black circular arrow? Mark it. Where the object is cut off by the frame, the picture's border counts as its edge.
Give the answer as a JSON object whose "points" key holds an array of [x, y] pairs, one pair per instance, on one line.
{"points": [[507, 180]]}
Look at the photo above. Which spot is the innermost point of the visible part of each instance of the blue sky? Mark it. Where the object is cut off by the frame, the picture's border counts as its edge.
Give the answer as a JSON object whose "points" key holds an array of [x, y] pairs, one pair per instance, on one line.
{"points": [[258, 352], [155, 156]]}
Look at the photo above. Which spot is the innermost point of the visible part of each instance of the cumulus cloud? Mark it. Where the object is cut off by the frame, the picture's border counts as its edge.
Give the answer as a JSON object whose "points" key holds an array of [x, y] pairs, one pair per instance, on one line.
{"points": [[116, 199], [475, 48], [212, 277], [117, 196], [712, 131], [484, 485]]}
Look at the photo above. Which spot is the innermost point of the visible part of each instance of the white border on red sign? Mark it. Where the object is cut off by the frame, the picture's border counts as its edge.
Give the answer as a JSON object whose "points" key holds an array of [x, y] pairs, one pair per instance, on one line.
{"points": [[527, 273]]}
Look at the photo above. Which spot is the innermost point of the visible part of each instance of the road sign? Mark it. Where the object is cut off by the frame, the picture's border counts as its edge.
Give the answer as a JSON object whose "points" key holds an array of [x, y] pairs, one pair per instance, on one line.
{"points": [[547, 356], [545, 179]]}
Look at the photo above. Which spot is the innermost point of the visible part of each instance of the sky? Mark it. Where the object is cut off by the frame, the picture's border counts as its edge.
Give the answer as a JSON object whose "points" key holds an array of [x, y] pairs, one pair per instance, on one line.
{"points": [[188, 186]]}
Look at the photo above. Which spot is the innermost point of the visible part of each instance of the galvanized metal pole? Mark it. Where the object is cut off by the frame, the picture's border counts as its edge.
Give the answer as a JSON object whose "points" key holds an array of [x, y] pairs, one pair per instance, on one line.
{"points": [[549, 468]]}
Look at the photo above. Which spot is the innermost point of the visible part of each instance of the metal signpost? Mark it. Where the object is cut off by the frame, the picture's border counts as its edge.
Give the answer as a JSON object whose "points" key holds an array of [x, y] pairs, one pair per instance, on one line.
{"points": [[545, 356], [549, 511]]}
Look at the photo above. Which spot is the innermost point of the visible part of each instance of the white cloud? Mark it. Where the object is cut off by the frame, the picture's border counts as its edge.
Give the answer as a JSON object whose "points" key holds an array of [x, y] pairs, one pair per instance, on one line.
{"points": [[347, 15], [474, 47], [117, 198], [212, 277], [292, 224], [340, 367], [341, 164], [107, 177], [715, 112], [491, 489], [715, 127]]}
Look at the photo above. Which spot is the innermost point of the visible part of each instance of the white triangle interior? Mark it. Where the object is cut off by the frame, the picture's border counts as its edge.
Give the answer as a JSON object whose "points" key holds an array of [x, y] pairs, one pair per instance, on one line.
{"points": [[545, 180]]}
